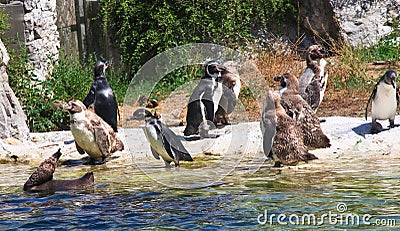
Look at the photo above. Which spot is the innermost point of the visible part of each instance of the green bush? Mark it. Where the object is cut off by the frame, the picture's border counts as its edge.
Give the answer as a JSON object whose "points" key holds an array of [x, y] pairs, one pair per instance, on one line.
{"points": [[146, 28], [4, 25], [70, 79]]}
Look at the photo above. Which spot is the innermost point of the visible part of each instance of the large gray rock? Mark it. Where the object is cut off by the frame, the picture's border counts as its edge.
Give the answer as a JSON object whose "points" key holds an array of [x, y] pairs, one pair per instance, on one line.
{"points": [[12, 118], [365, 22]]}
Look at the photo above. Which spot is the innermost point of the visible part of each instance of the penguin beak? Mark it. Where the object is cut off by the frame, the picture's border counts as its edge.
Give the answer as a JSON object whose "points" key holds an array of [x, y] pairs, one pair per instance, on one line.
{"points": [[277, 78]]}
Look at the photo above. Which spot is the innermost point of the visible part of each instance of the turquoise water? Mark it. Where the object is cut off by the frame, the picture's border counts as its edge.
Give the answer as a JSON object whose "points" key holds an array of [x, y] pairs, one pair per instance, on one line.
{"points": [[123, 197]]}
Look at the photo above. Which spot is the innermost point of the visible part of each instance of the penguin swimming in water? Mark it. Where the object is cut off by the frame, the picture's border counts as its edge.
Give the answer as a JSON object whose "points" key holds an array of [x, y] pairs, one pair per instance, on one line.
{"points": [[383, 101], [287, 146], [163, 141], [102, 96], [231, 88], [91, 133], [204, 101], [302, 113], [312, 83], [42, 178]]}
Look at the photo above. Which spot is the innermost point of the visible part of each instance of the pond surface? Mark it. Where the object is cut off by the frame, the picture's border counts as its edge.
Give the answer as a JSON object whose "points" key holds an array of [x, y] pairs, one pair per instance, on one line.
{"points": [[342, 194]]}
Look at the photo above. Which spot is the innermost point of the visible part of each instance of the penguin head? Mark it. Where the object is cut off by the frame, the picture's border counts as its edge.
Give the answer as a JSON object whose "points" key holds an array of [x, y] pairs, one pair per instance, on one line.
{"points": [[287, 81], [141, 114], [214, 69], [314, 53], [390, 78], [75, 106], [100, 67]]}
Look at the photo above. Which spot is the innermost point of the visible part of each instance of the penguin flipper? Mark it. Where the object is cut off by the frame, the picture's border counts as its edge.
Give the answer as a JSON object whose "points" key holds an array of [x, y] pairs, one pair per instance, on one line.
{"points": [[175, 143], [155, 154], [372, 97], [79, 149], [89, 99], [102, 140]]}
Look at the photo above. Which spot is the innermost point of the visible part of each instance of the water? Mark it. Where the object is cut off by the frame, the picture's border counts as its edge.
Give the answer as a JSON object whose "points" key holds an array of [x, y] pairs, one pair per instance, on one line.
{"points": [[123, 197]]}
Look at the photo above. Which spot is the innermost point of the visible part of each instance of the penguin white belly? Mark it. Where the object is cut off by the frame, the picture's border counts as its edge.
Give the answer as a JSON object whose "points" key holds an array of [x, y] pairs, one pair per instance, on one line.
{"points": [[156, 142], [384, 104], [217, 94], [86, 140]]}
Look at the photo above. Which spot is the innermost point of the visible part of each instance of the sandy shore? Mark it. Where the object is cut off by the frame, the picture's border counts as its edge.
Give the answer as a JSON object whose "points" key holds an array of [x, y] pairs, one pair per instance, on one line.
{"points": [[350, 139]]}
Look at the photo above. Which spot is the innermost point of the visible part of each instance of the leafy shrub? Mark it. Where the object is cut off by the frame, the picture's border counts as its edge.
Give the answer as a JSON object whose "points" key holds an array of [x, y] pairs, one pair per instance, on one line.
{"points": [[146, 28], [70, 79], [4, 25]]}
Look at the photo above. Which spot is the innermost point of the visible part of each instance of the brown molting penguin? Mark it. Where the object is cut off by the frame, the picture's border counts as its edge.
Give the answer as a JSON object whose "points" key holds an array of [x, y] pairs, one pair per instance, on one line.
{"points": [[287, 146], [92, 134], [313, 81], [231, 89], [297, 108], [42, 178]]}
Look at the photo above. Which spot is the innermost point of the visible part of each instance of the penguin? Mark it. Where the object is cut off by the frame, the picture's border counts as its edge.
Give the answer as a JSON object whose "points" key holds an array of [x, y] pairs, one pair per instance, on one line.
{"points": [[92, 134], [102, 96], [231, 88], [384, 99], [204, 101], [302, 113], [42, 178], [287, 146], [163, 141], [313, 82]]}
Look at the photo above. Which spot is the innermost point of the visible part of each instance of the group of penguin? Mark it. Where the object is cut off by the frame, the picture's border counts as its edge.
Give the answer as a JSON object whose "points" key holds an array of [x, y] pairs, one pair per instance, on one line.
{"points": [[289, 123]]}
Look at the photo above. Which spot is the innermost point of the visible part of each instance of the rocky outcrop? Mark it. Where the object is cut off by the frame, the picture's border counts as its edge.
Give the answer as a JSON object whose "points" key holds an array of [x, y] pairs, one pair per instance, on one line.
{"points": [[42, 38], [365, 22], [357, 22], [12, 118]]}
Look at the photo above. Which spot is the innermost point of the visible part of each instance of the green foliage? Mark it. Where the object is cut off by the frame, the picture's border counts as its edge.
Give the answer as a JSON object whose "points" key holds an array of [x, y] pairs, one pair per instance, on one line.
{"points": [[146, 28], [4, 25], [34, 97], [70, 79]]}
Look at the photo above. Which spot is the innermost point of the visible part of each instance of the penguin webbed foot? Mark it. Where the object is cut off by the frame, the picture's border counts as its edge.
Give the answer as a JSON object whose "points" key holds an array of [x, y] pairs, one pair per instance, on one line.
{"points": [[391, 123], [376, 127], [93, 161], [278, 164]]}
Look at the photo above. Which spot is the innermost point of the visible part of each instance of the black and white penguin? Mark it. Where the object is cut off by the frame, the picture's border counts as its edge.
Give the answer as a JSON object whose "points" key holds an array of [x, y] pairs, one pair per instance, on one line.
{"points": [[163, 141], [302, 113], [313, 82], [204, 101], [384, 100], [92, 134], [287, 145], [42, 178], [231, 88], [102, 96]]}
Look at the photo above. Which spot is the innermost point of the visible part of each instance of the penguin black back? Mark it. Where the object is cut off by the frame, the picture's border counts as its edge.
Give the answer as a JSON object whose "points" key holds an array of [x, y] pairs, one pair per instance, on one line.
{"points": [[102, 96]]}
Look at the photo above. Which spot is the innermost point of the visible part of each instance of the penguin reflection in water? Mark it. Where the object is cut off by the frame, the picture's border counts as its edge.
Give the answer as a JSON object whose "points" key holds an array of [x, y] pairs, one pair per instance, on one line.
{"points": [[204, 101], [384, 100], [163, 141], [286, 146], [42, 178], [102, 96]]}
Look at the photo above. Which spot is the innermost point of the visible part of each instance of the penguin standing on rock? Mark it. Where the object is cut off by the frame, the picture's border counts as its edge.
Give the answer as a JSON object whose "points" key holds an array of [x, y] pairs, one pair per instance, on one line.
{"points": [[287, 145], [301, 112], [313, 81], [102, 96], [384, 100], [204, 101], [92, 134], [163, 141]]}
